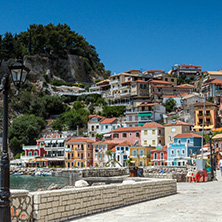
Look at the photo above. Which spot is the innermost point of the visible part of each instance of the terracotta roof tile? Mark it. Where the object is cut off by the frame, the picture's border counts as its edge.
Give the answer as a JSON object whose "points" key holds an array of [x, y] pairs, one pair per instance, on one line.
{"points": [[42, 139], [177, 123], [108, 120], [127, 129], [160, 82], [152, 125], [190, 66], [187, 135], [125, 143], [80, 140], [140, 81], [206, 104]]}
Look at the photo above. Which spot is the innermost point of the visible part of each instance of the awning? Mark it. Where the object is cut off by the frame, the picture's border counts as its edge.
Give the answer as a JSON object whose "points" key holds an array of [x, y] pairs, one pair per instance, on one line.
{"points": [[48, 141], [107, 135], [60, 141], [38, 160], [53, 141]]}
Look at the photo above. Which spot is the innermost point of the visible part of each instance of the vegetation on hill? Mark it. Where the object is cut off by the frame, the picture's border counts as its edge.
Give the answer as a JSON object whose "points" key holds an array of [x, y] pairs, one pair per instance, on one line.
{"points": [[170, 104], [51, 41]]}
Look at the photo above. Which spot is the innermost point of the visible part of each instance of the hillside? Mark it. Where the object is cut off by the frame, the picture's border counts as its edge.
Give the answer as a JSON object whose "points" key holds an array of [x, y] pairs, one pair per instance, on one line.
{"points": [[54, 50]]}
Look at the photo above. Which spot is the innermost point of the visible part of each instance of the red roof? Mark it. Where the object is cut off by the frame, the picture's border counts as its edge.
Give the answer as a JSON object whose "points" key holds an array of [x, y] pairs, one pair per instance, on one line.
{"points": [[108, 120], [164, 149], [211, 81], [185, 86], [80, 140], [206, 104], [133, 70], [152, 125], [127, 129], [160, 81], [178, 123], [187, 135], [190, 66], [42, 139], [91, 116], [152, 71], [125, 143], [159, 86], [171, 96]]}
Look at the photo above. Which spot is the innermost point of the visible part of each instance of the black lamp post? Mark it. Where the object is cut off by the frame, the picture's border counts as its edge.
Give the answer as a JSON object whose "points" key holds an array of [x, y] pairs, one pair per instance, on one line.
{"points": [[211, 157], [18, 73]]}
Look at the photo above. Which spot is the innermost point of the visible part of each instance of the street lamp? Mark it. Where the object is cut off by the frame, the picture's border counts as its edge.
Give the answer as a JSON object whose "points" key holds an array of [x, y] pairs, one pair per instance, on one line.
{"points": [[18, 73], [211, 157]]}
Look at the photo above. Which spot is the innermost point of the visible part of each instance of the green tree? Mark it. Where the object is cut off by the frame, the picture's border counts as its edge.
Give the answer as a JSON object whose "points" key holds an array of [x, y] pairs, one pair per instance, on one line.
{"points": [[78, 105], [170, 104], [25, 130], [113, 111], [210, 99], [99, 136]]}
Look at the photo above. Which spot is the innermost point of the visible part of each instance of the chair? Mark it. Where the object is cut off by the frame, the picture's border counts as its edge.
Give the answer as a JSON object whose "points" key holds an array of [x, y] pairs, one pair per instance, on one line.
{"points": [[191, 175]]}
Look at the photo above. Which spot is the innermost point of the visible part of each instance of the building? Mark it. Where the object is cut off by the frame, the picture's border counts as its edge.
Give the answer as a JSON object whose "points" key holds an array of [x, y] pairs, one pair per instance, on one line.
{"points": [[79, 153], [131, 134], [184, 146], [187, 70], [159, 156], [93, 125], [152, 134], [174, 128], [141, 155], [100, 155], [212, 88], [143, 113], [108, 124], [212, 75], [210, 116], [122, 151]]}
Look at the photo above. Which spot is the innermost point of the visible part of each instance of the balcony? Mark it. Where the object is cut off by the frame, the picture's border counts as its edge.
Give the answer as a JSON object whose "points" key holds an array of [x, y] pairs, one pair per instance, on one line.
{"points": [[30, 148], [144, 120], [114, 81], [125, 94], [114, 88]]}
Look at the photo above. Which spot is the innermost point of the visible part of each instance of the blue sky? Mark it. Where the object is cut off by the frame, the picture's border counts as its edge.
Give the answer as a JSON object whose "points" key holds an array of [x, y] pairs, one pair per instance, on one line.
{"points": [[131, 34]]}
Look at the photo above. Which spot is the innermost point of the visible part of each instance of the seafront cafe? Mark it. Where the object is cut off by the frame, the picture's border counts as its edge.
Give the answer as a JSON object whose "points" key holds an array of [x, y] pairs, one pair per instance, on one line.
{"points": [[45, 162]]}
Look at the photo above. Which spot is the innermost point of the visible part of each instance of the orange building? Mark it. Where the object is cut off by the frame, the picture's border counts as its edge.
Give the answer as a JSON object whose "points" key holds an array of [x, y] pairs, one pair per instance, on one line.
{"points": [[79, 153]]}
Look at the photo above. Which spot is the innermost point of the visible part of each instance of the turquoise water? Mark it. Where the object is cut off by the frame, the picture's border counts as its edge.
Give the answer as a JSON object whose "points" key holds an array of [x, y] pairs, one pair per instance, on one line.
{"points": [[33, 183]]}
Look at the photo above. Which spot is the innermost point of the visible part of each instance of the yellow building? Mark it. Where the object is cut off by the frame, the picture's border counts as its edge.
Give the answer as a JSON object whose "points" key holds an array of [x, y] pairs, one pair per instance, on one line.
{"points": [[141, 155], [209, 119], [79, 153]]}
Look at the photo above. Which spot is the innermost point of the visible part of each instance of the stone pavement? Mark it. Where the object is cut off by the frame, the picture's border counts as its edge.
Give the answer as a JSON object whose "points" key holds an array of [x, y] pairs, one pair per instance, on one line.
{"points": [[194, 202]]}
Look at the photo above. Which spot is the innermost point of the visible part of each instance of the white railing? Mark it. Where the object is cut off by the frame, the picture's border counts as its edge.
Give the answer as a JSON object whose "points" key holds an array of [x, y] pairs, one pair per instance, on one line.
{"points": [[30, 147], [114, 81]]}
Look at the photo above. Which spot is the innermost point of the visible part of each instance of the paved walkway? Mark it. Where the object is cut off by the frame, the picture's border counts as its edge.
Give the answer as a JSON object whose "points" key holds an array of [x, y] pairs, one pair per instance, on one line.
{"points": [[194, 202]]}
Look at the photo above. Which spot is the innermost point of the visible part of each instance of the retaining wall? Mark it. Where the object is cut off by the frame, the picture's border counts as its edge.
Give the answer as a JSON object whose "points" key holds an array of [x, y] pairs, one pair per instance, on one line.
{"points": [[61, 205]]}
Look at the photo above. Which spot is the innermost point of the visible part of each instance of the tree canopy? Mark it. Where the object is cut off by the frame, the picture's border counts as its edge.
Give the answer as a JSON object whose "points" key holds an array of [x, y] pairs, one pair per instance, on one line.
{"points": [[170, 104], [51, 40]]}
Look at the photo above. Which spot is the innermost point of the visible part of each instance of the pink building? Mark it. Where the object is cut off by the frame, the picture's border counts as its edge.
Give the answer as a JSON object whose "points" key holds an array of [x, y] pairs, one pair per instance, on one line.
{"points": [[159, 156], [131, 134]]}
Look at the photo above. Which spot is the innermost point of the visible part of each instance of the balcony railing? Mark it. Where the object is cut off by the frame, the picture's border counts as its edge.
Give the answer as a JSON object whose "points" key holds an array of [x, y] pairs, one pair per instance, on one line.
{"points": [[114, 81]]}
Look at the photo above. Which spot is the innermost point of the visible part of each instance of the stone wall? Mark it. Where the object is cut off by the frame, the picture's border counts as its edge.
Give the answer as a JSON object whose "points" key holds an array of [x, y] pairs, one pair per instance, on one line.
{"points": [[61, 205], [21, 206]]}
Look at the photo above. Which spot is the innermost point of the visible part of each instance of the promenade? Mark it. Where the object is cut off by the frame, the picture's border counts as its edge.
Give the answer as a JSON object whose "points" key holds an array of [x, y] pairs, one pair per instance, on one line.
{"points": [[194, 202]]}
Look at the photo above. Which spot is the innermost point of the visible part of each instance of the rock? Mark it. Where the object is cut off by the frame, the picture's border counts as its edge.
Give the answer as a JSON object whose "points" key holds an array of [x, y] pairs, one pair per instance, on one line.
{"points": [[53, 186], [81, 183], [98, 184]]}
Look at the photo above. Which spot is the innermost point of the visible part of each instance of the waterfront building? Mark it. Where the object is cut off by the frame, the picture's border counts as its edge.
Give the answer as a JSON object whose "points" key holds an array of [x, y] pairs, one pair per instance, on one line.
{"points": [[79, 153], [152, 134], [184, 146], [100, 155], [159, 156], [210, 117], [93, 125], [141, 155], [174, 128], [131, 134], [122, 151]]}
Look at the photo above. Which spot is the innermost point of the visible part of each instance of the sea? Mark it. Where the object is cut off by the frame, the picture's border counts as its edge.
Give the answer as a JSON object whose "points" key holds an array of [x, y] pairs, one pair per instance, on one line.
{"points": [[33, 183]]}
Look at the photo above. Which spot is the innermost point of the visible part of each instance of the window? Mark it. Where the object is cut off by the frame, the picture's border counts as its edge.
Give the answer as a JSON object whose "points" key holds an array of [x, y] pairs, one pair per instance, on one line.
{"points": [[145, 142], [141, 153], [99, 156], [153, 132], [96, 156], [137, 135], [178, 152], [97, 127], [153, 142], [88, 154], [68, 165], [124, 157], [78, 164], [186, 129], [130, 134], [35, 153], [179, 141], [127, 148], [159, 132], [124, 134], [134, 153], [103, 156], [30, 153], [145, 132], [155, 156], [170, 138], [117, 148], [161, 156], [116, 135], [155, 164], [141, 163], [188, 140], [117, 157], [106, 126], [172, 152], [122, 148], [72, 164], [114, 127], [183, 151]]}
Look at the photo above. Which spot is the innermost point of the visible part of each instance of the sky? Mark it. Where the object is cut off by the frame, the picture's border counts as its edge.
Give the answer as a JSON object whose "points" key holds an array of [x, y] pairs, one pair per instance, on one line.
{"points": [[131, 34]]}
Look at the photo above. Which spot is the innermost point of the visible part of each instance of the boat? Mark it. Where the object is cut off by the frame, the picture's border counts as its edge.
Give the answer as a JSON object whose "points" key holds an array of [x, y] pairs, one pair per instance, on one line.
{"points": [[17, 174], [41, 173]]}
